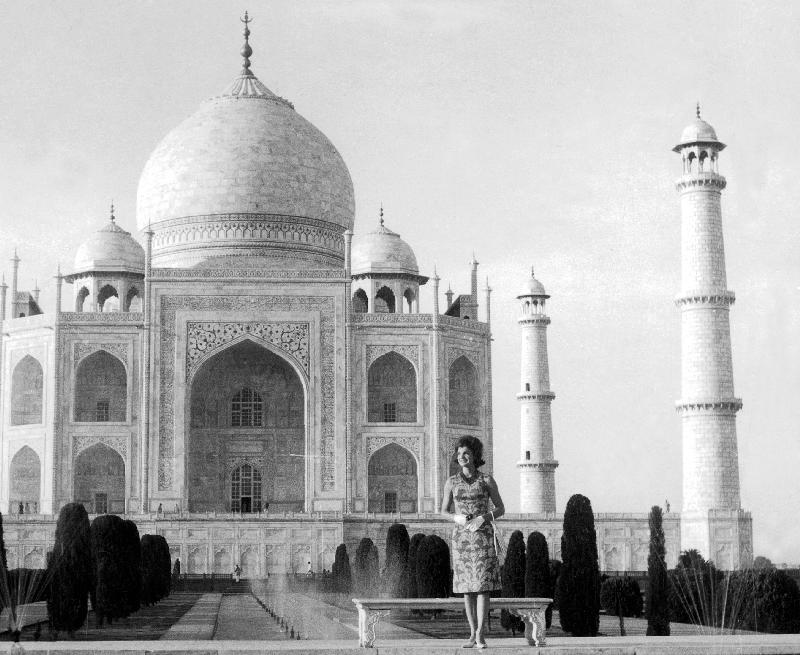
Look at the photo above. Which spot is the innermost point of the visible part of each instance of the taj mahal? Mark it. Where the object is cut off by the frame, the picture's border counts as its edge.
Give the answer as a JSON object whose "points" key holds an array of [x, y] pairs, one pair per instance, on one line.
{"points": [[246, 371]]}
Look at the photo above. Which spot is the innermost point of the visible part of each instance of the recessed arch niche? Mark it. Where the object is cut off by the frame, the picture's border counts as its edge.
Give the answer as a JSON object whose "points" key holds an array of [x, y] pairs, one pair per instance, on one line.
{"points": [[27, 384], [246, 379], [392, 480], [25, 474], [99, 480]]}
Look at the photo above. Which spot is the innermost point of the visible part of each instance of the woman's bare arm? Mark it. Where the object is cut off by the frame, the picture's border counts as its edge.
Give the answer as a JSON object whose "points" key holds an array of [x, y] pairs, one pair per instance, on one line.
{"points": [[447, 499], [494, 494]]}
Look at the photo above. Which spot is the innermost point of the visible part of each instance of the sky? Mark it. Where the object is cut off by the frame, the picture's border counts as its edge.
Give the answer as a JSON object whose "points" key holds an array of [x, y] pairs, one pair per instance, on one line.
{"points": [[530, 133]]}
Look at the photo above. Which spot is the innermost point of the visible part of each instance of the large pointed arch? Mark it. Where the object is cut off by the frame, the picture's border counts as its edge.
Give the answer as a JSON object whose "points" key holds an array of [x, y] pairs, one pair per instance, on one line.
{"points": [[247, 397]]}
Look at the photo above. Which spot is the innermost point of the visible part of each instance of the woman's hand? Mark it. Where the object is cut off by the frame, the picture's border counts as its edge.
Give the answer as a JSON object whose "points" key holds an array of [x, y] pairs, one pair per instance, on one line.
{"points": [[475, 523], [460, 519]]}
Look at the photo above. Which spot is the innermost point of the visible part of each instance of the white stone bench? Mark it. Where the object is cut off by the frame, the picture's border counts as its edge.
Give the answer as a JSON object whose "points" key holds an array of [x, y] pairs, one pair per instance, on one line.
{"points": [[371, 610]]}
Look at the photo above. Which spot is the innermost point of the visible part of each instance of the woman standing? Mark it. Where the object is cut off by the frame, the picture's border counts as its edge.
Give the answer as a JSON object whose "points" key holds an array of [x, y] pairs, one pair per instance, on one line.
{"points": [[476, 570]]}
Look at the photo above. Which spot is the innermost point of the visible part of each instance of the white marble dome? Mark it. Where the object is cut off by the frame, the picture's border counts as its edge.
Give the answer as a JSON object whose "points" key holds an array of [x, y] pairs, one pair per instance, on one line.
{"points": [[382, 252], [246, 176], [110, 249]]}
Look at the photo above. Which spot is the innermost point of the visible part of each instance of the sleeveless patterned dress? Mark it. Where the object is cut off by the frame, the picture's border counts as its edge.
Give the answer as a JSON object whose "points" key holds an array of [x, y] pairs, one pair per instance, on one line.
{"points": [[475, 565]]}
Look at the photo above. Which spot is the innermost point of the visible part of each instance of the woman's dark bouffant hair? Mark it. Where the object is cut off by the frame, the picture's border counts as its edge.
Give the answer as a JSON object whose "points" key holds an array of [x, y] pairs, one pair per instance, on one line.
{"points": [[475, 445]]}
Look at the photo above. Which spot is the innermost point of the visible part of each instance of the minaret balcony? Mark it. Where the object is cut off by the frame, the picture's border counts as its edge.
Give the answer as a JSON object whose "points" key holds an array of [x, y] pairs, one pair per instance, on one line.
{"points": [[547, 465], [696, 297], [722, 405], [536, 395], [693, 181]]}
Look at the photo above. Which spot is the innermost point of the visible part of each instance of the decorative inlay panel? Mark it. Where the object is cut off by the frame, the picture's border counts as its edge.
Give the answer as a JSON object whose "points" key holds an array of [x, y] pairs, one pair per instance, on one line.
{"points": [[118, 444], [412, 444], [410, 352], [203, 338], [116, 348], [167, 338]]}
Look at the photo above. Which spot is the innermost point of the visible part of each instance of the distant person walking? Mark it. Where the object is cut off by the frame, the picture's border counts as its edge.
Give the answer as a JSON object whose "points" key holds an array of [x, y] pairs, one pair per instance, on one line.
{"points": [[237, 572], [476, 569]]}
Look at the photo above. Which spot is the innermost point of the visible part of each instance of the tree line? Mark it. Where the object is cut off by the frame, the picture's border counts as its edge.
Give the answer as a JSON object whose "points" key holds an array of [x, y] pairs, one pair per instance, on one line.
{"points": [[104, 563], [765, 599]]}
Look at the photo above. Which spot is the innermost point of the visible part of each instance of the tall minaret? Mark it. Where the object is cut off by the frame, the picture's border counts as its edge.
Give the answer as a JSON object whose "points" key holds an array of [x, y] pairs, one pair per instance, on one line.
{"points": [[708, 406], [537, 485]]}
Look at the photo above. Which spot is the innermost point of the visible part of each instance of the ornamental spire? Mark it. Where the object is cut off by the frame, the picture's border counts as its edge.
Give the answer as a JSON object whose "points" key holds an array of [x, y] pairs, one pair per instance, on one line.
{"points": [[698, 109], [113, 218], [381, 216], [246, 49]]}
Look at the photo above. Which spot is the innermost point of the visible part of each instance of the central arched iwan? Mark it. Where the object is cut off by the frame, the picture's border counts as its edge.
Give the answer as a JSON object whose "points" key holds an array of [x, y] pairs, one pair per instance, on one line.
{"points": [[247, 423]]}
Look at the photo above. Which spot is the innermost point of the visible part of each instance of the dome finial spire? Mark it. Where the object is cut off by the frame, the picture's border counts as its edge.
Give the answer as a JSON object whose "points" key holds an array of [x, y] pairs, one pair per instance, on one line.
{"points": [[532, 273], [113, 218], [246, 49], [381, 217], [698, 109]]}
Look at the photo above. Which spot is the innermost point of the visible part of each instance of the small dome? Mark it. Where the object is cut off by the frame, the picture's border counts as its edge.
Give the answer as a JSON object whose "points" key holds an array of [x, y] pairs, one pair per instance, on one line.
{"points": [[532, 287], [382, 251], [698, 130], [110, 249]]}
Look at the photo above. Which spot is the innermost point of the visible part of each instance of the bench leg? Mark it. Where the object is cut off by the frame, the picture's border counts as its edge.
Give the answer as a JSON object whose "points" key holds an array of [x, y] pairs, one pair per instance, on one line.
{"points": [[534, 625], [367, 620]]}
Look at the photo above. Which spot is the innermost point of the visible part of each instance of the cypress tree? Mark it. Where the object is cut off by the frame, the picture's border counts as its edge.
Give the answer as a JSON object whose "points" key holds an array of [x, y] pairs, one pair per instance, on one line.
{"points": [[151, 583], [579, 581], [396, 569], [513, 580], [657, 607], [413, 547], [538, 581], [131, 567], [110, 576], [342, 579], [166, 578], [3, 560], [433, 568], [70, 572], [365, 568]]}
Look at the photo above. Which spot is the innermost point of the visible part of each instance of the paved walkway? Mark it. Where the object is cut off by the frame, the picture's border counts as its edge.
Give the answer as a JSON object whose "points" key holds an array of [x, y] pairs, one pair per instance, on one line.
{"points": [[199, 622]]}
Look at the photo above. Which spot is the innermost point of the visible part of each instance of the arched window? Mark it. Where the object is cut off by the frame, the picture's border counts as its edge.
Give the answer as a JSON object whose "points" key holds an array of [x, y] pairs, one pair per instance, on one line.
{"points": [[133, 301], [464, 401], [101, 389], [384, 301], [360, 302], [246, 489], [409, 296], [80, 299], [247, 409], [26, 392], [108, 299], [392, 390]]}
